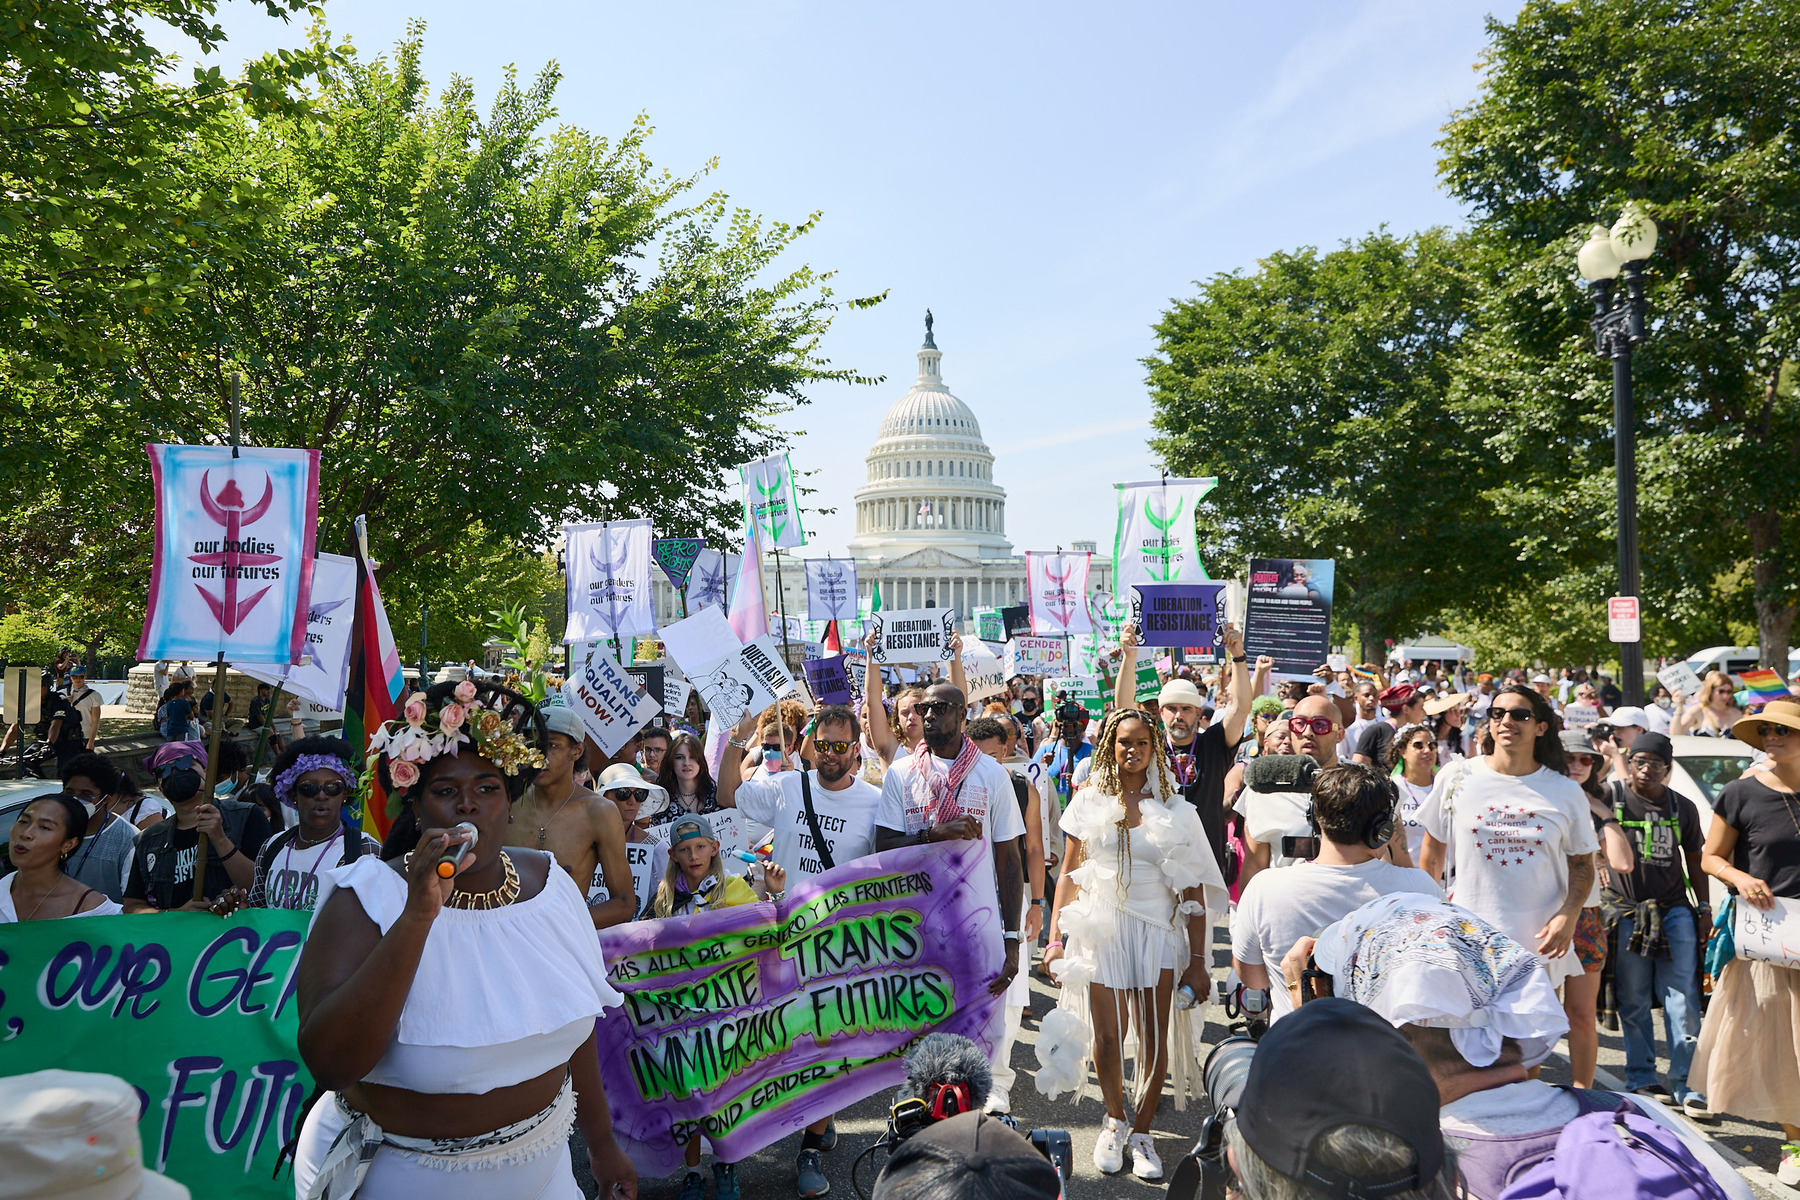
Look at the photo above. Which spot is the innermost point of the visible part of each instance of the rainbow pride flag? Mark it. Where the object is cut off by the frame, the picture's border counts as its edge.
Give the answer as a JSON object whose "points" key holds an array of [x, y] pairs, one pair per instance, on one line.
{"points": [[374, 682], [1763, 685], [1361, 676]]}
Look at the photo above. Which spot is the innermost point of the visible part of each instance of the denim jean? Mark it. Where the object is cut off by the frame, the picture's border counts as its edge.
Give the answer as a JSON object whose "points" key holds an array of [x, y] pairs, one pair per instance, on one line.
{"points": [[1675, 981]]}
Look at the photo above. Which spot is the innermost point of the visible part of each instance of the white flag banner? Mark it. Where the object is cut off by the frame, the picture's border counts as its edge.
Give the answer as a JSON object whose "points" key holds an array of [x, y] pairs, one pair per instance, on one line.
{"points": [[328, 618], [1058, 584], [608, 568], [913, 635], [772, 502], [1154, 540], [831, 589], [710, 582], [611, 701]]}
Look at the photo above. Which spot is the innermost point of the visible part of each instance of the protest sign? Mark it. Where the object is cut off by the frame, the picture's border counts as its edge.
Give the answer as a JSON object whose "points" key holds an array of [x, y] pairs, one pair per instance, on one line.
{"points": [[195, 1012], [771, 502], [714, 575], [650, 676], [746, 1024], [699, 641], [1177, 614], [1036, 656], [1015, 622], [1154, 540], [1148, 685], [984, 672], [913, 635], [746, 682], [675, 695], [610, 700], [1057, 584], [608, 571], [1580, 716], [1287, 614], [989, 626], [676, 557], [321, 677], [830, 589], [1680, 679], [1771, 935], [828, 680], [1085, 692], [232, 562]]}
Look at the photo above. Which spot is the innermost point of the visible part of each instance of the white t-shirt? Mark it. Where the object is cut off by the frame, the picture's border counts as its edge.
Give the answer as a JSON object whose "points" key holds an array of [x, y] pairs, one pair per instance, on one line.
{"points": [[648, 862], [1281, 907], [1412, 795], [846, 819], [1511, 838], [986, 794]]}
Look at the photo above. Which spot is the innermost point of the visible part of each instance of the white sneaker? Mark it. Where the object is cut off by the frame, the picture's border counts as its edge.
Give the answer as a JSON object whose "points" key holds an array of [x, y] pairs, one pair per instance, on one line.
{"points": [[1144, 1163], [1109, 1147], [1789, 1172], [999, 1101]]}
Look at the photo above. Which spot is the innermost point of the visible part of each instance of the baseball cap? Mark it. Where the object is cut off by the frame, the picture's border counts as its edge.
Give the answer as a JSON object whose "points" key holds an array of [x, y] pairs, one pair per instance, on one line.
{"points": [[971, 1154], [1577, 741], [1540, 677], [75, 1133], [1330, 1063], [1630, 714], [1180, 691], [1397, 697], [560, 718], [691, 826], [77, 672]]}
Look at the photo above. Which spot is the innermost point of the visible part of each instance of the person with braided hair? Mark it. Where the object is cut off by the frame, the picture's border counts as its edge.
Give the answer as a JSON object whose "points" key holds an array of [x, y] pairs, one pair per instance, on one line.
{"points": [[1132, 915]]}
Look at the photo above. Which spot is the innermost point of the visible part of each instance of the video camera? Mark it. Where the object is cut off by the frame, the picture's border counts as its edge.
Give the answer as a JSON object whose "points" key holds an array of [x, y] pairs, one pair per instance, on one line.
{"points": [[947, 1075], [1205, 1173], [1070, 710]]}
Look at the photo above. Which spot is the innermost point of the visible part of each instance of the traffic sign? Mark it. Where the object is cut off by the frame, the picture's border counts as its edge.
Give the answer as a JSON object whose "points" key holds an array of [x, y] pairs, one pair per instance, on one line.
{"points": [[1622, 622]]}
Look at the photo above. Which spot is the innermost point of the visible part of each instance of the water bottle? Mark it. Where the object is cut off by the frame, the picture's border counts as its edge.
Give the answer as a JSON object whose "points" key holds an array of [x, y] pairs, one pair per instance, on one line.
{"points": [[1185, 997]]}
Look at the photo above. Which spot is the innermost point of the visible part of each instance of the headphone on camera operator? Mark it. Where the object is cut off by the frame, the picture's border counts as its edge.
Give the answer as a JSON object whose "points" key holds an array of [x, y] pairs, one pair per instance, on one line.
{"points": [[1294, 773], [948, 1078]]}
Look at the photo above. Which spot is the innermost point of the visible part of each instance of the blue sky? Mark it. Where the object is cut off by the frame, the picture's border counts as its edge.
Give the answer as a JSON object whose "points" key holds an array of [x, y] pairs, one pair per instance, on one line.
{"points": [[1045, 178]]}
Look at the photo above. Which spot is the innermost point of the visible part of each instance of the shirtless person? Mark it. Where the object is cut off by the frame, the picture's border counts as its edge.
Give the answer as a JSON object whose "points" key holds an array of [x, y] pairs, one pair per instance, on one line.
{"points": [[583, 830]]}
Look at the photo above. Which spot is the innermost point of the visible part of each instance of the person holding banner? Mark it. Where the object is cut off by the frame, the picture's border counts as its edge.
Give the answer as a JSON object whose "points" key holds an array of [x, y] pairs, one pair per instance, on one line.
{"points": [[162, 867], [452, 1018], [645, 853], [1132, 904], [46, 834]]}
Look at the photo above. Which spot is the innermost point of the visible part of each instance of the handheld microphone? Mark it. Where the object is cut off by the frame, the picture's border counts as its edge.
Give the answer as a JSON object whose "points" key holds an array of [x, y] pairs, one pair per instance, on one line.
{"points": [[446, 866]]}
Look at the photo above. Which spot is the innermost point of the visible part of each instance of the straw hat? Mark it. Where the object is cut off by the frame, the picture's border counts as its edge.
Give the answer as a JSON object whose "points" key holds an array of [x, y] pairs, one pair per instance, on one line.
{"points": [[1776, 712], [1444, 704]]}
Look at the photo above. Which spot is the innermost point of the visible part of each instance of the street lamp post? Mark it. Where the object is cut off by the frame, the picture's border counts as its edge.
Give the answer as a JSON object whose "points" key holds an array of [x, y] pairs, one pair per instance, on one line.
{"points": [[1618, 326]]}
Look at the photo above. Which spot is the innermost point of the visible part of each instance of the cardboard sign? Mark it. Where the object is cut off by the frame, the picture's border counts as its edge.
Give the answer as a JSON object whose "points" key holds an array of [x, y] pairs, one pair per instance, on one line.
{"points": [[828, 679], [675, 696], [1680, 679], [1036, 656], [610, 700], [747, 682], [1580, 716], [985, 672], [1772, 936], [701, 640], [914, 635]]}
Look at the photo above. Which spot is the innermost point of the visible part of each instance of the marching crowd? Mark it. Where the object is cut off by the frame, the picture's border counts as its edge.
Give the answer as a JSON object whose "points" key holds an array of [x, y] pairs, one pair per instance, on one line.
{"points": [[1457, 870]]}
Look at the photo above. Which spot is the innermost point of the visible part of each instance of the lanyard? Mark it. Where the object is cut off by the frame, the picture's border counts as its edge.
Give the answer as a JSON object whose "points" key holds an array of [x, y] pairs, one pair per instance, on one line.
{"points": [[287, 859]]}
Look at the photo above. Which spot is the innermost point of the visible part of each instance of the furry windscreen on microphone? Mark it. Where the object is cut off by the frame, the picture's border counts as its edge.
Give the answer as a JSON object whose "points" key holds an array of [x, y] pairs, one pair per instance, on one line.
{"points": [[1280, 773], [947, 1058]]}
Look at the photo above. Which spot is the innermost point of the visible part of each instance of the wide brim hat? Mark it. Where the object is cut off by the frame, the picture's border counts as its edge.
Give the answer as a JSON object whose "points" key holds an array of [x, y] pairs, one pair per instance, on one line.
{"points": [[625, 777], [1776, 712], [75, 1133], [1444, 704]]}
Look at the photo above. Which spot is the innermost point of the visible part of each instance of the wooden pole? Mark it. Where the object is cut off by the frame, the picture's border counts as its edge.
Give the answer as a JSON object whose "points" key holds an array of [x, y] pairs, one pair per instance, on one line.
{"points": [[211, 778]]}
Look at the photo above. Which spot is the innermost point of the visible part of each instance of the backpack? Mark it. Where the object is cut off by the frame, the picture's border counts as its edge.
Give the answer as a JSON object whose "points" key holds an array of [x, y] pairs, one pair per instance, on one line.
{"points": [[1623, 1155]]}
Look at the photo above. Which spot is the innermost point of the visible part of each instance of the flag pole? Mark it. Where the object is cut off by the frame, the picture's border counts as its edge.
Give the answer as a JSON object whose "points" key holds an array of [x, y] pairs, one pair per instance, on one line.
{"points": [[787, 649], [211, 778]]}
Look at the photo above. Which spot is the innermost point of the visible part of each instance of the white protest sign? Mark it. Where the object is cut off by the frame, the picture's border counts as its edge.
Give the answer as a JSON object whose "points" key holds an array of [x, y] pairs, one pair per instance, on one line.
{"points": [[701, 640], [328, 618], [610, 701], [1680, 679], [1580, 716], [1772, 936], [675, 696], [746, 682], [1036, 656], [914, 635], [986, 675]]}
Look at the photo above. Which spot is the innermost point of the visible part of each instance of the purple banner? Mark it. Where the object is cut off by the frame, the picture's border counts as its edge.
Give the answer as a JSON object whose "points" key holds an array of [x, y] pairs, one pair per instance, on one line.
{"points": [[828, 679], [1177, 614], [746, 1024]]}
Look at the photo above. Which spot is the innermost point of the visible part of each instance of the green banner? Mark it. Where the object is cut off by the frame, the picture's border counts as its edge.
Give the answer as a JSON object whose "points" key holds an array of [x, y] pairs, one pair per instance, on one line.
{"points": [[1149, 683], [195, 1012]]}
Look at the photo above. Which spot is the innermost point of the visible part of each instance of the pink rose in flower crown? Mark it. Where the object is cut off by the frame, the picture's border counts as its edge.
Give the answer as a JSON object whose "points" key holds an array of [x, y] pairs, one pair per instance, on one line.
{"points": [[415, 712], [405, 774], [465, 691], [451, 717]]}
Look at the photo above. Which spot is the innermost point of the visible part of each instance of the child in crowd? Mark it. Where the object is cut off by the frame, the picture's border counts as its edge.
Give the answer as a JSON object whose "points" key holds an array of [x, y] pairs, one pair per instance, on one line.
{"points": [[697, 880]]}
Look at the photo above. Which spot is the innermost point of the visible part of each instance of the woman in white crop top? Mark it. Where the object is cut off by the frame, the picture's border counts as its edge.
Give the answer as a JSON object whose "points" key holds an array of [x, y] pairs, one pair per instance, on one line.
{"points": [[453, 1019]]}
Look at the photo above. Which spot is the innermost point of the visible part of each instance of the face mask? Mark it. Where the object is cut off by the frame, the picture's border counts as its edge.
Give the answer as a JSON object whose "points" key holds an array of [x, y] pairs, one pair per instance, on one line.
{"points": [[226, 788], [91, 808]]}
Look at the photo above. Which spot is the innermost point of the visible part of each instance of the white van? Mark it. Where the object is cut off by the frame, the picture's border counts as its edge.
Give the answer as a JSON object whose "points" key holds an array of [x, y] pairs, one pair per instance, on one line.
{"points": [[1733, 660]]}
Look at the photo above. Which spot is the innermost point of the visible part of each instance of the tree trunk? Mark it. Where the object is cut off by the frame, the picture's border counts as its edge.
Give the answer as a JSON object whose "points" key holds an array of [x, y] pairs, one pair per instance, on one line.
{"points": [[1774, 610], [1369, 635]]}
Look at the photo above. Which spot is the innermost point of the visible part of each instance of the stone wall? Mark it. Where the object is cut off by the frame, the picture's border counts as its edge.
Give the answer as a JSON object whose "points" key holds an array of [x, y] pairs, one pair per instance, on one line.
{"points": [[141, 698]]}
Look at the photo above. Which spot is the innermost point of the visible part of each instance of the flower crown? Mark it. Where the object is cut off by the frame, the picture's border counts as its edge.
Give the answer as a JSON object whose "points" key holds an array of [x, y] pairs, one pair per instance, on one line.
{"points": [[463, 720]]}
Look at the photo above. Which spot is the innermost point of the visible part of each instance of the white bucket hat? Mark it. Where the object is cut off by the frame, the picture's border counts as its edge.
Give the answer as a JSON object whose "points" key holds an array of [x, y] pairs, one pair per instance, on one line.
{"points": [[75, 1133], [622, 776]]}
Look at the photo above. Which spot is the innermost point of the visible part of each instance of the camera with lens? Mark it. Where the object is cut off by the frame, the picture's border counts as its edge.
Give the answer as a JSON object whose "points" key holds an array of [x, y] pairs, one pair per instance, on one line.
{"points": [[1205, 1173], [947, 1075], [1071, 711]]}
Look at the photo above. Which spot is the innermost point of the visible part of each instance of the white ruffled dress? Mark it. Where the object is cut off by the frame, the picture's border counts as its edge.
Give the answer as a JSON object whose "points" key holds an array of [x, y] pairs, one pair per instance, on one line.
{"points": [[1124, 931]]}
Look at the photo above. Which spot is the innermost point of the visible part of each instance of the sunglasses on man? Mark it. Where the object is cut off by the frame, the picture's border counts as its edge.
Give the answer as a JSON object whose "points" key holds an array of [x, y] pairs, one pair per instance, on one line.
{"points": [[927, 708], [1521, 715], [630, 795], [1318, 725], [311, 791], [833, 747]]}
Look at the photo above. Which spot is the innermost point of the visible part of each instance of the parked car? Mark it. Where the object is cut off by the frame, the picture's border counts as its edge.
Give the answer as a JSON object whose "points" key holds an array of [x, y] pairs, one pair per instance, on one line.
{"points": [[15, 794], [1703, 766], [1733, 660]]}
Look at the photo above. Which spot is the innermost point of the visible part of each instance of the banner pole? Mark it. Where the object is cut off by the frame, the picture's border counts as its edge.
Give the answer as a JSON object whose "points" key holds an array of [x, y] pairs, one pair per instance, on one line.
{"points": [[787, 649], [211, 779]]}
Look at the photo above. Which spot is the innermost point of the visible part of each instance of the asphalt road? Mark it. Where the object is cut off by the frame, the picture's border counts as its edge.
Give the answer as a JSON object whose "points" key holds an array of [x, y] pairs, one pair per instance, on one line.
{"points": [[769, 1175]]}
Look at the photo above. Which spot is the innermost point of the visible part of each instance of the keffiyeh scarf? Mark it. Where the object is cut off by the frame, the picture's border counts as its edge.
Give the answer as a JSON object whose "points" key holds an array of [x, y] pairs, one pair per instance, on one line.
{"points": [[935, 794]]}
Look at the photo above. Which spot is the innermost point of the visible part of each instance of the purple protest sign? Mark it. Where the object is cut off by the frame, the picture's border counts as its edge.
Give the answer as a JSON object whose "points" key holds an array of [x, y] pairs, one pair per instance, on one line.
{"points": [[1177, 614], [828, 679], [747, 1024]]}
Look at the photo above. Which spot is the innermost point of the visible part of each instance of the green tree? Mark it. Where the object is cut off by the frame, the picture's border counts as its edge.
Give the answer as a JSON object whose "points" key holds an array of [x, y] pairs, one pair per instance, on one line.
{"points": [[1691, 108], [1316, 390]]}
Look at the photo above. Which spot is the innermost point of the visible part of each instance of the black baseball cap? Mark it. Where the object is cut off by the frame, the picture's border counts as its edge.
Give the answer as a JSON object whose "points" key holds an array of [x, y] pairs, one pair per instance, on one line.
{"points": [[1334, 1062], [972, 1154]]}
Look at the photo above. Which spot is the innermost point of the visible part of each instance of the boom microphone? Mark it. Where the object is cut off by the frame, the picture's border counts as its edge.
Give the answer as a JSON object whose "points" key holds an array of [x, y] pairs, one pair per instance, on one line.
{"points": [[1280, 773], [945, 1070], [446, 866]]}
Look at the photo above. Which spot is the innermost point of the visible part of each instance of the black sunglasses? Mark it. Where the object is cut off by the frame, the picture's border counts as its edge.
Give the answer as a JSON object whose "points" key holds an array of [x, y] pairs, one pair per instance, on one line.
{"points": [[630, 795], [926, 708], [311, 791], [1766, 730], [1521, 715]]}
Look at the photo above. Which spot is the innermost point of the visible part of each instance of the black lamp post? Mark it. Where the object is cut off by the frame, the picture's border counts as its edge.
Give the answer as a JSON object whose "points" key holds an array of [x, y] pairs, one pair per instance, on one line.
{"points": [[1618, 326]]}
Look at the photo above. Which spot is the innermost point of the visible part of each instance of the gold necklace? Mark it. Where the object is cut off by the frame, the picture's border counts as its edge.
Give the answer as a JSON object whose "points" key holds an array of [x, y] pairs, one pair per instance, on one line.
{"points": [[505, 894]]}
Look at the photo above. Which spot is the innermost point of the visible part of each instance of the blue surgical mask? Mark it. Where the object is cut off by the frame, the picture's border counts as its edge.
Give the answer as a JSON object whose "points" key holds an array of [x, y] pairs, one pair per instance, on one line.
{"points": [[226, 788]]}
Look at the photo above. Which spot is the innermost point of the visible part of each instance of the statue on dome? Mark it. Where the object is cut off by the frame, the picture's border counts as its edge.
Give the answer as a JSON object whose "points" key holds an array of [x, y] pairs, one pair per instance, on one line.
{"points": [[928, 322]]}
